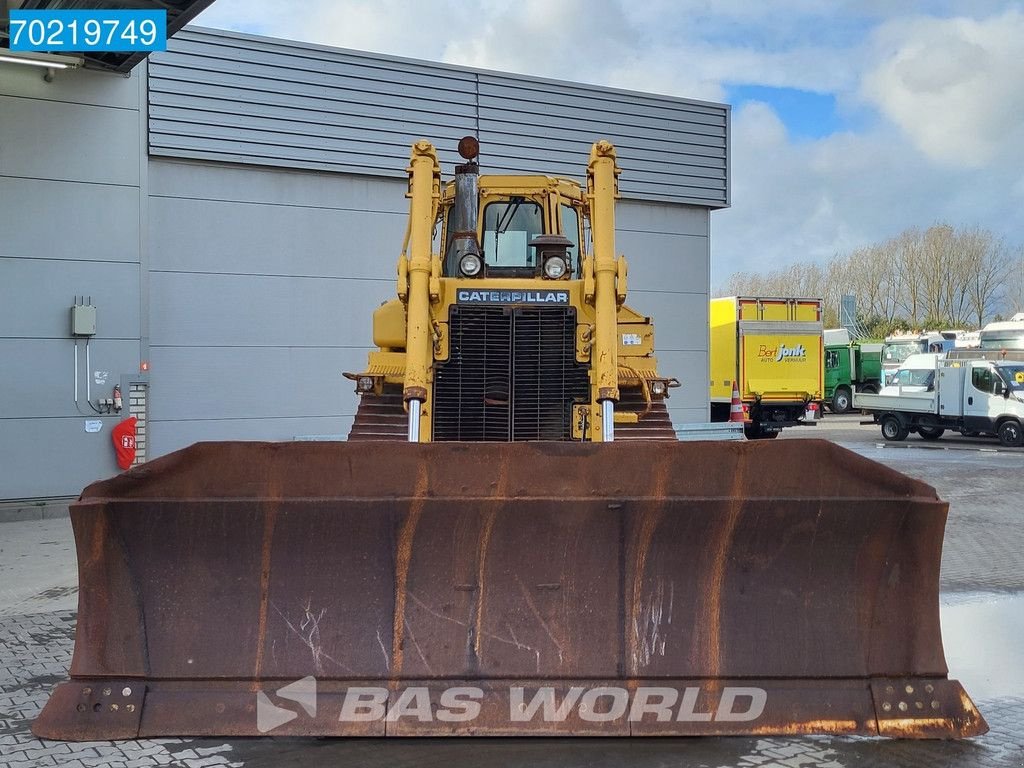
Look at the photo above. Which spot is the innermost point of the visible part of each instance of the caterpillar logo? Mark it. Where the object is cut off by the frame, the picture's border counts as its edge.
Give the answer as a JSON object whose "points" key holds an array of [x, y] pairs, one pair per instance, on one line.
{"points": [[782, 352], [466, 296]]}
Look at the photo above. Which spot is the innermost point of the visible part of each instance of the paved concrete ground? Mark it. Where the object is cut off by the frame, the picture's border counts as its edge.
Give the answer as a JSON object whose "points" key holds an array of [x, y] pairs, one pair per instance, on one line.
{"points": [[983, 623]]}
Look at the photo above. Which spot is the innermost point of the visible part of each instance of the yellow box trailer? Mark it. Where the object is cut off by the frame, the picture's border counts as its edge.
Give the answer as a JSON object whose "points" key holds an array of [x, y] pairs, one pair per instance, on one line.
{"points": [[773, 348]]}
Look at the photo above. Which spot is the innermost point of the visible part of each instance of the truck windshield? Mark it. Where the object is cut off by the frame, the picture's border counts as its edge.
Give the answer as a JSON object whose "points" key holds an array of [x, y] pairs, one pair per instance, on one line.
{"points": [[1013, 375], [1002, 339], [914, 378], [899, 351], [508, 227]]}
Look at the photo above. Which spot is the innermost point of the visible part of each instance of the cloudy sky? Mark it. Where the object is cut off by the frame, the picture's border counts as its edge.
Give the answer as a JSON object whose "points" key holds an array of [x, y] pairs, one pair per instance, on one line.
{"points": [[852, 119]]}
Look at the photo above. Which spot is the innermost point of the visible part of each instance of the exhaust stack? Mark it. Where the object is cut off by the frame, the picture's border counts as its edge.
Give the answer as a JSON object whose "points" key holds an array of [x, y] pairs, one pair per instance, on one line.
{"points": [[465, 211]]}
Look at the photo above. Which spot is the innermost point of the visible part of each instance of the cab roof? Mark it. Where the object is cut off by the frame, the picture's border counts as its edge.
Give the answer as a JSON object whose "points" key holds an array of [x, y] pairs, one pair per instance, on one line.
{"points": [[524, 185]]}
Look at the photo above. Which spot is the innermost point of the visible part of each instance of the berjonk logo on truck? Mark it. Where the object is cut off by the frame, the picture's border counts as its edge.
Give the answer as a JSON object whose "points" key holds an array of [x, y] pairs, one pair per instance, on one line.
{"points": [[782, 352]]}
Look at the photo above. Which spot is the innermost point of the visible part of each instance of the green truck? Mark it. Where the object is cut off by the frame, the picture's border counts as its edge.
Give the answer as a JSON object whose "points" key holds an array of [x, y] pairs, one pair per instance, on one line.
{"points": [[850, 366]]}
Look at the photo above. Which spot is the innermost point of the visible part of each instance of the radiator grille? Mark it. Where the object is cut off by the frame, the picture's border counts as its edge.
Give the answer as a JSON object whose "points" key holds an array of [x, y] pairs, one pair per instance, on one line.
{"points": [[511, 375]]}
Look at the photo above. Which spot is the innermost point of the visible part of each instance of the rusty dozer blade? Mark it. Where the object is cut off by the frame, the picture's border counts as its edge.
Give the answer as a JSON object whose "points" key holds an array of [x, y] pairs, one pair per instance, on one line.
{"points": [[378, 589]]}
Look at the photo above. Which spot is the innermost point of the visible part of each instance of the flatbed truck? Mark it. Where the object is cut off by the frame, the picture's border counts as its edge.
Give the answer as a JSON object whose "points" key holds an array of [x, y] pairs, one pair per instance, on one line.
{"points": [[973, 397]]}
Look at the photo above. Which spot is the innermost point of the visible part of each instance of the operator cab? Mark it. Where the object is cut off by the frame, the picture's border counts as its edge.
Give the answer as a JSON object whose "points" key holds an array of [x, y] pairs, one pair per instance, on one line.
{"points": [[524, 227]]}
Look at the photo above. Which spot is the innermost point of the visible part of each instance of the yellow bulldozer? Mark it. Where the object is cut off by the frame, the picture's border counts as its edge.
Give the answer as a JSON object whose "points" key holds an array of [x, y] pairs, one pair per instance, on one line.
{"points": [[514, 332], [512, 541]]}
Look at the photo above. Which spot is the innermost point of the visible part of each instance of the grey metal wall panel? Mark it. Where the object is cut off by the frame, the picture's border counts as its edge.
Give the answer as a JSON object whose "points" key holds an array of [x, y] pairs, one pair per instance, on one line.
{"points": [[664, 262], [40, 375], [631, 216], [71, 142], [71, 162], [202, 383], [73, 459], [92, 224], [276, 186], [266, 239], [190, 309], [43, 290], [78, 87], [228, 306], [680, 321], [245, 99]]}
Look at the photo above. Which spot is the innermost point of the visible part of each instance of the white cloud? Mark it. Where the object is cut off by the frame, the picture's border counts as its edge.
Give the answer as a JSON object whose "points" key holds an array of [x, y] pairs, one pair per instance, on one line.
{"points": [[396, 27], [811, 200], [954, 86]]}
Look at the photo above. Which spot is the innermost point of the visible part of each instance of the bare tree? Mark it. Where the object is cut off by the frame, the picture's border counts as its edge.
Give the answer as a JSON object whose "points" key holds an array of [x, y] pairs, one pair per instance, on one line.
{"points": [[877, 281], [936, 277], [1013, 296], [991, 266], [907, 252]]}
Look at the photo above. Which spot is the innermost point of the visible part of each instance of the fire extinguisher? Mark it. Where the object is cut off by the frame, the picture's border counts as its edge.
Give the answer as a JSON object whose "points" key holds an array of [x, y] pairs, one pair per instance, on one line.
{"points": [[117, 398]]}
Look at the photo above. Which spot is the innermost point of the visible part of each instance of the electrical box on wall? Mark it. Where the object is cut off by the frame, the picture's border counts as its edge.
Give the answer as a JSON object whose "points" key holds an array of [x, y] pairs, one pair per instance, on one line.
{"points": [[83, 320]]}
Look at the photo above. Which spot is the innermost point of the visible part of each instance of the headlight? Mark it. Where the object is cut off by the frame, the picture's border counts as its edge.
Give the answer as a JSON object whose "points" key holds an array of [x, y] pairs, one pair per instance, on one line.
{"points": [[364, 384], [658, 388], [555, 267], [470, 265]]}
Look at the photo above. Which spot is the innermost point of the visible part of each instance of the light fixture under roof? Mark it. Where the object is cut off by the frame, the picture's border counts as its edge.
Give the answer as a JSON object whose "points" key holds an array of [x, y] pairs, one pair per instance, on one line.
{"points": [[45, 60], [50, 62]]}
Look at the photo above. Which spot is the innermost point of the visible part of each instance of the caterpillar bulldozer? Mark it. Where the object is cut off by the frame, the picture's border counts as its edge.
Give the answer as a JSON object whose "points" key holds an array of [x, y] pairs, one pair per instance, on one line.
{"points": [[511, 542]]}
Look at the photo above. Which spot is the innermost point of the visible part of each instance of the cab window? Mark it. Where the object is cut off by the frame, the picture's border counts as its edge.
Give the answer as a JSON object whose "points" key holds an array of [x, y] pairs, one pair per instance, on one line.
{"points": [[923, 379], [831, 358], [984, 380], [1014, 375], [508, 228], [571, 229]]}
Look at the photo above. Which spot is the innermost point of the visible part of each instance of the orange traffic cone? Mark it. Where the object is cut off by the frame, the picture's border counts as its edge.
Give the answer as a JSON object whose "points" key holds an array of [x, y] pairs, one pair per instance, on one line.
{"points": [[736, 407]]}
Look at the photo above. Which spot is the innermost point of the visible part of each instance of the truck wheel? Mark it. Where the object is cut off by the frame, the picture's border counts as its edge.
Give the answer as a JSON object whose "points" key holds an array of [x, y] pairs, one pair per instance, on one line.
{"points": [[1010, 433], [930, 433], [841, 400], [893, 429]]}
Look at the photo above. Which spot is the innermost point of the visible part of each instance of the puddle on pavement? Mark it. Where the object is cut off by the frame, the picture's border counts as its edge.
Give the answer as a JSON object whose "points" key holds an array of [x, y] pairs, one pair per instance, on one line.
{"points": [[982, 635]]}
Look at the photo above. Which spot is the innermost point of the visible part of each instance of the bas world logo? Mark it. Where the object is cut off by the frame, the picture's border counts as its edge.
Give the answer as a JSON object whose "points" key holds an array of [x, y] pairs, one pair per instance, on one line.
{"points": [[462, 704], [270, 716]]}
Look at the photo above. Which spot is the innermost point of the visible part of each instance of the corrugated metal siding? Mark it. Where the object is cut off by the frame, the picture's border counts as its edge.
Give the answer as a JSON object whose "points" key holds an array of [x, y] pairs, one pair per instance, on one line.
{"points": [[237, 98], [670, 149], [243, 99]]}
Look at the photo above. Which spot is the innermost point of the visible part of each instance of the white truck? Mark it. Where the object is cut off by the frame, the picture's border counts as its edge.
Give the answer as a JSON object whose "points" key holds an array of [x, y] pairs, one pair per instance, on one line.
{"points": [[916, 374], [899, 347], [1006, 335], [970, 396]]}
